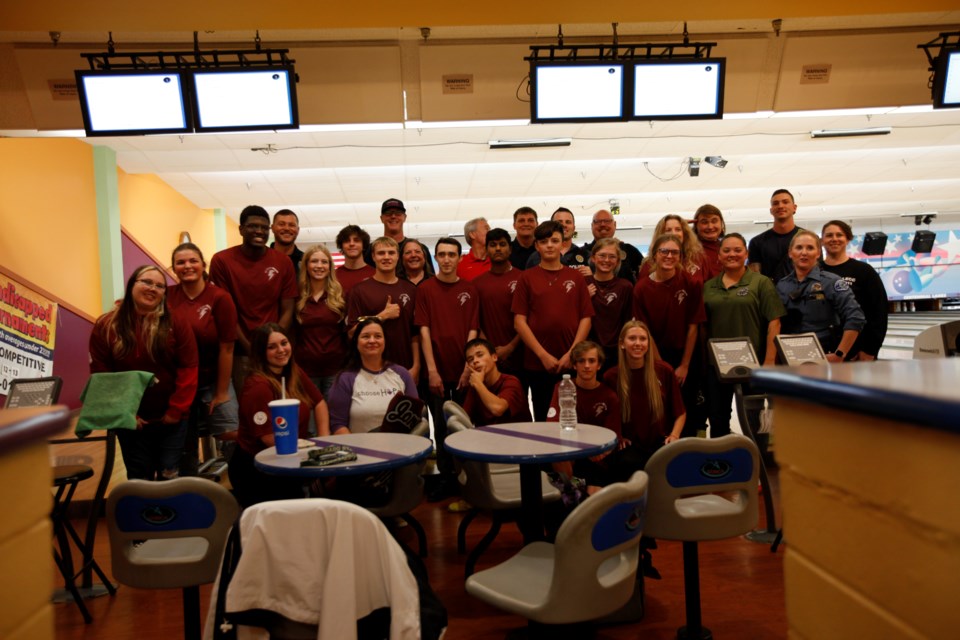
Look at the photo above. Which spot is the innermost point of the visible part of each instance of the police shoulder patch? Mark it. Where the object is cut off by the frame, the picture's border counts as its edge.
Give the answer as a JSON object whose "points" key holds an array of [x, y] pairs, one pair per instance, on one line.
{"points": [[841, 285]]}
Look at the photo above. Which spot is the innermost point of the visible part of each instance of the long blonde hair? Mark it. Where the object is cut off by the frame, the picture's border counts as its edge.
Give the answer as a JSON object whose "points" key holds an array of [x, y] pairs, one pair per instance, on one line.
{"points": [[692, 249], [333, 288], [650, 380]]}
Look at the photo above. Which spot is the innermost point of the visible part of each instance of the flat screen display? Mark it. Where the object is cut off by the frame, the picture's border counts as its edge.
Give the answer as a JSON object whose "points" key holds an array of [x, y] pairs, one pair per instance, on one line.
{"points": [[574, 92], [132, 102], [245, 99], [946, 83], [678, 89]]}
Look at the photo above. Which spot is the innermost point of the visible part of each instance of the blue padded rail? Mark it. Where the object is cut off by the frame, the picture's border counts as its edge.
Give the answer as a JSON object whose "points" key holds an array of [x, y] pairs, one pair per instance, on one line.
{"points": [[176, 513], [621, 522], [694, 468]]}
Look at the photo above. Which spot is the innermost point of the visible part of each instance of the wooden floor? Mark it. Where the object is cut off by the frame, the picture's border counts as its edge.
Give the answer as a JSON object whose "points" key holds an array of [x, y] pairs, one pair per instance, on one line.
{"points": [[741, 591]]}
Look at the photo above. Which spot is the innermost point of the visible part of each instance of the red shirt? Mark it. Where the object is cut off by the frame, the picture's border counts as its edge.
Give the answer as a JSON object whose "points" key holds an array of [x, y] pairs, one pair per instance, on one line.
{"points": [[321, 339], [641, 430], [599, 406], [176, 369], [506, 387], [554, 302], [255, 411], [369, 297], [496, 319], [669, 308], [470, 267], [451, 312], [711, 259], [257, 286], [612, 303], [213, 318], [349, 278]]}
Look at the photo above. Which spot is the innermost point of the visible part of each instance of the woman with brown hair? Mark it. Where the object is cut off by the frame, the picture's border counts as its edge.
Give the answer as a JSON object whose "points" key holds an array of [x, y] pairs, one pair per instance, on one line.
{"points": [[273, 375], [140, 334]]}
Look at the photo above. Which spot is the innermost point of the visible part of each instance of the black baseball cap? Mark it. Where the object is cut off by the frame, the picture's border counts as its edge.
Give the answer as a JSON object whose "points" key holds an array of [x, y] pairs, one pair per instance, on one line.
{"points": [[392, 203]]}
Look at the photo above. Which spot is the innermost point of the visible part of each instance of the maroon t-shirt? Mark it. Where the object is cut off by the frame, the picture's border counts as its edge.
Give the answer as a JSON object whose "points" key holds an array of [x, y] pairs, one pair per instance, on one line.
{"points": [[613, 306], [349, 278], [257, 286], [695, 271], [641, 430], [496, 319], [175, 369], [450, 311], [369, 297], [599, 406], [321, 339], [669, 308], [255, 411], [554, 302], [506, 387], [213, 318], [711, 259]]}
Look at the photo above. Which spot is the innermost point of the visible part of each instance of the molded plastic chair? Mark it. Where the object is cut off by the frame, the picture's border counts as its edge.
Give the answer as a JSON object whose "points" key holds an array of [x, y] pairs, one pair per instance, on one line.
{"points": [[169, 535], [685, 477], [485, 490], [589, 572]]}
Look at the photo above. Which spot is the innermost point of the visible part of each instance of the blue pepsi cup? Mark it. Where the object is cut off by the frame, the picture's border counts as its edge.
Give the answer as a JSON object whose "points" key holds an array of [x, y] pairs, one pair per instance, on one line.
{"points": [[285, 418]]}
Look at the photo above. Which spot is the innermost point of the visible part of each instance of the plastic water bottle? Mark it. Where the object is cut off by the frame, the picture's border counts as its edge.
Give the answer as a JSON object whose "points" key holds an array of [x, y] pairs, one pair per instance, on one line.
{"points": [[567, 394]]}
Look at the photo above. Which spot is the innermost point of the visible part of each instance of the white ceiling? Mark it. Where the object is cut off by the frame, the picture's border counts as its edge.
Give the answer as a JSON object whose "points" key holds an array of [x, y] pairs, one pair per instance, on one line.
{"points": [[449, 175]]}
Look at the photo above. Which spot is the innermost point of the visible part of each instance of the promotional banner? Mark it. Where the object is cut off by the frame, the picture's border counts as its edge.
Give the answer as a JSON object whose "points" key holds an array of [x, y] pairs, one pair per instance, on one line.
{"points": [[28, 326], [907, 275]]}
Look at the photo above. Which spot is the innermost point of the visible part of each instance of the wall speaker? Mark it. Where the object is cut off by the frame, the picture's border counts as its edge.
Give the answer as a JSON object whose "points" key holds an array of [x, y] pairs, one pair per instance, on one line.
{"points": [[923, 241], [874, 243]]}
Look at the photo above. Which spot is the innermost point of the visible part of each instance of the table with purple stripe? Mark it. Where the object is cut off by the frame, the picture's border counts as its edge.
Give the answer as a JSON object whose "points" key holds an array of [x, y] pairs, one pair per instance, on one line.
{"points": [[530, 444], [375, 452]]}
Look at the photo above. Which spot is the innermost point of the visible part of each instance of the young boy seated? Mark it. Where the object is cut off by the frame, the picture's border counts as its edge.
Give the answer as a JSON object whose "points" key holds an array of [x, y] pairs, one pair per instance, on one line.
{"points": [[597, 404], [492, 397]]}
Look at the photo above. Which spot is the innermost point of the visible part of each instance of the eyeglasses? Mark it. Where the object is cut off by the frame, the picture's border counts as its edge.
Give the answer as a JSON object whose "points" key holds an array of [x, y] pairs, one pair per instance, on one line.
{"points": [[603, 221], [153, 285], [669, 252]]}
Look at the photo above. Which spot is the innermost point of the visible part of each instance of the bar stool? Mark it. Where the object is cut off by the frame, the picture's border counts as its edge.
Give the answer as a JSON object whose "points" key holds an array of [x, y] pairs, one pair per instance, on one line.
{"points": [[65, 479]]}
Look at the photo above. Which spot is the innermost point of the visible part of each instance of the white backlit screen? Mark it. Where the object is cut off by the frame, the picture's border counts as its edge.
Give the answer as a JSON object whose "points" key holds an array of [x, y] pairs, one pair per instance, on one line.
{"points": [[678, 89], [950, 96], [115, 104], [260, 98], [572, 92]]}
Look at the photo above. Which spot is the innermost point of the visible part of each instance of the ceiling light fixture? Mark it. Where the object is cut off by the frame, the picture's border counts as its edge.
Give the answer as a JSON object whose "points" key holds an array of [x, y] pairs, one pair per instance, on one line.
{"points": [[849, 133], [527, 144]]}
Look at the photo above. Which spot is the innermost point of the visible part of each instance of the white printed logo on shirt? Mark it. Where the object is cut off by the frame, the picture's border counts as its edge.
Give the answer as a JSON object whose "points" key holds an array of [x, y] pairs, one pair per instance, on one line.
{"points": [[202, 311], [404, 299], [271, 272], [681, 295], [463, 297], [568, 285], [512, 286]]}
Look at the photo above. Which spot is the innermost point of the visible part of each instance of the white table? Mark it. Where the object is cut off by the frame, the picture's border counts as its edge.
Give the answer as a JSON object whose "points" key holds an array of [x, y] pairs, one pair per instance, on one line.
{"points": [[529, 444], [375, 452]]}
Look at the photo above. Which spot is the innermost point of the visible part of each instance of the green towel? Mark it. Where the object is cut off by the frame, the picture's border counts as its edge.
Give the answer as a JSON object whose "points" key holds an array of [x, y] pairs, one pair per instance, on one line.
{"points": [[111, 400]]}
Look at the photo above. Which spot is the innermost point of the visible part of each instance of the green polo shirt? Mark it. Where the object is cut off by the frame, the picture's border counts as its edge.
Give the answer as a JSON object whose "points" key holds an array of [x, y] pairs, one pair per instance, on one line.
{"points": [[745, 309]]}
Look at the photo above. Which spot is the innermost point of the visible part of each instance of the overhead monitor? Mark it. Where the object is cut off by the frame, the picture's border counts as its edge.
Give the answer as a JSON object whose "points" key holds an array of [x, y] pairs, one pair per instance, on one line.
{"points": [[119, 103], [576, 91], [946, 80], [245, 99], [678, 89]]}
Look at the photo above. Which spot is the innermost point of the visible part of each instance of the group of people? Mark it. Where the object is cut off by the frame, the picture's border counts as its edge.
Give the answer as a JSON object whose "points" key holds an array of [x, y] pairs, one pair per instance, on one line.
{"points": [[491, 322]]}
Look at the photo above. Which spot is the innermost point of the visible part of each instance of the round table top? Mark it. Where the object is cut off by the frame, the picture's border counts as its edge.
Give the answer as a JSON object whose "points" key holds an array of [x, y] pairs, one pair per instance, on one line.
{"points": [[375, 452], [529, 442]]}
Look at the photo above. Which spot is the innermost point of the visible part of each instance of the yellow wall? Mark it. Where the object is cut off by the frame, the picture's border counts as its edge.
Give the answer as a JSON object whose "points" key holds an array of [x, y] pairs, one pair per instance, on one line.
{"points": [[49, 217], [154, 214]]}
